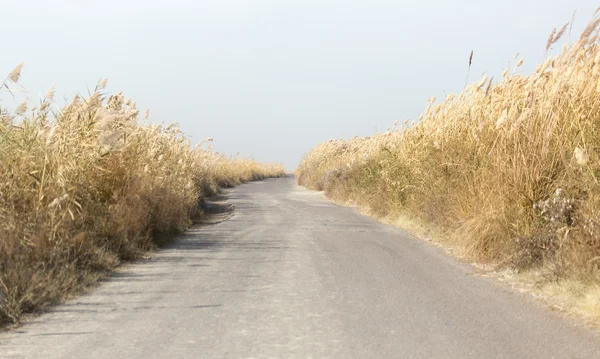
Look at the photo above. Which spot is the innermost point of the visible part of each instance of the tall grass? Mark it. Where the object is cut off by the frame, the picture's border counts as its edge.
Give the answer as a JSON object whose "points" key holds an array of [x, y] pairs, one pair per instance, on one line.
{"points": [[87, 186], [508, 171]]}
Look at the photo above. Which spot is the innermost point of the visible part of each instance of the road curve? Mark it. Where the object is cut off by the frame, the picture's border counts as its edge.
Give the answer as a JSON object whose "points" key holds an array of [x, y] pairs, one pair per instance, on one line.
{"points": [[292, 275]]}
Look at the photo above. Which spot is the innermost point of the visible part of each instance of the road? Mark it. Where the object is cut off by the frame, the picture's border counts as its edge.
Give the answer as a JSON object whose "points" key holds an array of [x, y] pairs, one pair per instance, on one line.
{"points": [[292, 275]]}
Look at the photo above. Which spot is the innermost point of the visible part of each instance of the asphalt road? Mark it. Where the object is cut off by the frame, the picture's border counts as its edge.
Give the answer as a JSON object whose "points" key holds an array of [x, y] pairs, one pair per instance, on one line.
{"points": [[292, 275]]}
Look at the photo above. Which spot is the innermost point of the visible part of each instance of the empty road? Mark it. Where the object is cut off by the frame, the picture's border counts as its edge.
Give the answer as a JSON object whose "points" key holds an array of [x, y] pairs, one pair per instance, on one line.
{"points": [[292, 275]]}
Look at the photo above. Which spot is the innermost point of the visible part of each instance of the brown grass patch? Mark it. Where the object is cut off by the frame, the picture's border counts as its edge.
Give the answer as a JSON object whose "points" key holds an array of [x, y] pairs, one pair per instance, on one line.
{"points": [[88, 186], [508, 171]]}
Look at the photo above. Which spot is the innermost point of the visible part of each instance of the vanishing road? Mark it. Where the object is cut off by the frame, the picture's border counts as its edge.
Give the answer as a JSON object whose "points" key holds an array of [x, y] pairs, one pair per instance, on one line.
{"points": [[292, 275]]}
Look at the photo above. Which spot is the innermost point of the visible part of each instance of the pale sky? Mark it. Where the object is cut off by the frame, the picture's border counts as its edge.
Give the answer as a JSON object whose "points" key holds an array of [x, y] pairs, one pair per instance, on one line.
{"points": [[272, 78]]}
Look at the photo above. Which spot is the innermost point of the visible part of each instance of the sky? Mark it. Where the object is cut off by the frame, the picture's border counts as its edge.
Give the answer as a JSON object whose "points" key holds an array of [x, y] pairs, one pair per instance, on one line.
{"points": [[272, 78]]}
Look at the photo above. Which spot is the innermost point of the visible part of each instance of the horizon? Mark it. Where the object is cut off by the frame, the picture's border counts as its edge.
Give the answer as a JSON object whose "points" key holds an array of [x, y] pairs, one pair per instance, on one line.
{"points": [[273, 79]]}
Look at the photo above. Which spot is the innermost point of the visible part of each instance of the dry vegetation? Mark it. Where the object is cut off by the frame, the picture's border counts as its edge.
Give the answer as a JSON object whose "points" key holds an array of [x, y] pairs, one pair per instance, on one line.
{"points": [[85, 187], [507, 171]]}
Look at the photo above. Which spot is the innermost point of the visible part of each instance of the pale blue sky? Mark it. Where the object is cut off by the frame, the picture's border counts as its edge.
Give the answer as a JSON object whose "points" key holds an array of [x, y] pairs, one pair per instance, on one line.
{"points": [[268, 78]]}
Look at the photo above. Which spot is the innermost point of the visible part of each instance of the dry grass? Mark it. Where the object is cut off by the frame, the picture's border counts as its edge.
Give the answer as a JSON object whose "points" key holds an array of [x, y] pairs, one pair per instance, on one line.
{"points": [[507, 171], [87, 186]]}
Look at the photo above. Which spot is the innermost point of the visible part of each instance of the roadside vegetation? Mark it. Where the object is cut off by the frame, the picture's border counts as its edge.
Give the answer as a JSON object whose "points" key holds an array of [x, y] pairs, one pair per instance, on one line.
{"points": [[507, 172], [89, 185]]}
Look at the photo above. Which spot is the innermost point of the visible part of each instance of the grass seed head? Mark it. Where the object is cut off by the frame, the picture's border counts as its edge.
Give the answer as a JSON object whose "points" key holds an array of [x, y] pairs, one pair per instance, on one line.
{"points": [[15, 74]]}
